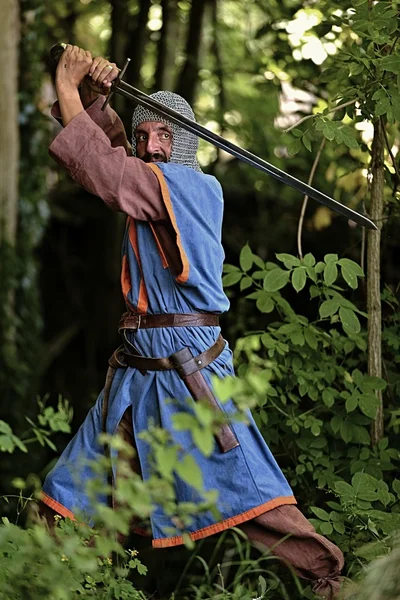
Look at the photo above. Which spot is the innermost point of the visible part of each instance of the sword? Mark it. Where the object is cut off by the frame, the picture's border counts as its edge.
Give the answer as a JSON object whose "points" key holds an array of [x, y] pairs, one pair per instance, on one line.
{"points": [[124, 89]]}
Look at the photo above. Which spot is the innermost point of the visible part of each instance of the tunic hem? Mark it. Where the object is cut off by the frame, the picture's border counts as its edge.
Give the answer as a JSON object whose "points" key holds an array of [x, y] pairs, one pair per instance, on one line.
{"points": [[252, 513], [56, 506]]}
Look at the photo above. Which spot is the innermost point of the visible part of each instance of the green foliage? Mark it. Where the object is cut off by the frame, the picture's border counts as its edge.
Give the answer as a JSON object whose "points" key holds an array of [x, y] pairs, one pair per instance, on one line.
{"points": [[319, 403], [49, 421], [77, 561]]}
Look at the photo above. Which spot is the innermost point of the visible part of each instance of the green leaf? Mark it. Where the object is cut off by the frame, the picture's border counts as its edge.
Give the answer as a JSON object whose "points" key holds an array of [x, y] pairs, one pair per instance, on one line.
{"points": [[310, 338], [309, 260], [166, 459], [276, 280], [348, 138], [297, 133], [369, 404], [204, 440], [350, 278], [320, 513], [329, 258], [328, 398], [183, 421], [336, 422], [245, 283], [297, 338], [231, 278], [190, 472], [294, 147], [391, 63], [265, 303], [230, 268], [351, 403], [328, 130], [346, 431], [373, 383], [339, 527], [307, 143], [299, 278], [349, 320], [350, 265], [396, 486], [288, 260], [246, 258], [258, 261], [326, 528], [328, 308], [330, 273]]}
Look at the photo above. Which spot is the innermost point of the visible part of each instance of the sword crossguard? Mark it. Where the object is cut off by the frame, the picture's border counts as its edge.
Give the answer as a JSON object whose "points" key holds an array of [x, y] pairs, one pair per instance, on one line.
{"points": [[115, 84]]}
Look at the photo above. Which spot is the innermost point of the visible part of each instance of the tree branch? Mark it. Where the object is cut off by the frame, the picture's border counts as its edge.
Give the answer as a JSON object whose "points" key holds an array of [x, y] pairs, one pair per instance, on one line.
{"points": [[305, 200], [396, 168], [333, 110]]}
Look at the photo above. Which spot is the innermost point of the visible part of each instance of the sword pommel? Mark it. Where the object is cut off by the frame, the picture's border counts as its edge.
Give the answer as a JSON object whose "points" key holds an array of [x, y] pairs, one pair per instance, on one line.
{"points": [[56, 53]]}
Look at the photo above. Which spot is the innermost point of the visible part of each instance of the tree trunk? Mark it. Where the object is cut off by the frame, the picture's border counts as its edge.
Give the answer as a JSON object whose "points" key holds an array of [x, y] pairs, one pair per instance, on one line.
{"points": [[167, 46], [9, 154], [373, 273], [9, 136], [137, 45], [186, 85], [119, 43]]}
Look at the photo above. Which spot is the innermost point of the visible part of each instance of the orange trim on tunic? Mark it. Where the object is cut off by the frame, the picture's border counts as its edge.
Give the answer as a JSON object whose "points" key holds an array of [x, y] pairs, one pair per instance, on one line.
{"points": [[184, 276], [226, 524], [143, 300], [57, 507], [126, 284], [164, 260]]}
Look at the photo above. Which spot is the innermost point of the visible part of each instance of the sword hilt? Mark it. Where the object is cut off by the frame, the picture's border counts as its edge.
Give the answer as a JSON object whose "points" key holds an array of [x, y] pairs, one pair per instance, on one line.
{"points": [[55, 54], [115, 84]]}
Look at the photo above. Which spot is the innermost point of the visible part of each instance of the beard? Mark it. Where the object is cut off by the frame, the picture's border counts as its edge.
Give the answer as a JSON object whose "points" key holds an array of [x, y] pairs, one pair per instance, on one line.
{"points": [[154, 157]]}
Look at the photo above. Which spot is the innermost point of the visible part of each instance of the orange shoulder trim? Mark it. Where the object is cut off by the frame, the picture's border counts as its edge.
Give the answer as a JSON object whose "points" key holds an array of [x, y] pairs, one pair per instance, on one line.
{"points": [[226, 524], [184, 276]]}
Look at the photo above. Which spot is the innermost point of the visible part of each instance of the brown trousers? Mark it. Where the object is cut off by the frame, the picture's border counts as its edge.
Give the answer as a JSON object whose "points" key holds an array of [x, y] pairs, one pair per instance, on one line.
{"points": [[312, 556]]}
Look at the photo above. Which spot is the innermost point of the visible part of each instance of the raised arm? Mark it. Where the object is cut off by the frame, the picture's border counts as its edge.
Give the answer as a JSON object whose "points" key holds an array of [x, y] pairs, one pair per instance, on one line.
{"points": [[84, 149]]}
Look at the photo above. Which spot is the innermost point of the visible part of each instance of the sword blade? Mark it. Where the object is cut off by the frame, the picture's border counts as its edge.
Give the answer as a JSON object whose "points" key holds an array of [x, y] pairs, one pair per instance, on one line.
{"points": [[143, 99]]}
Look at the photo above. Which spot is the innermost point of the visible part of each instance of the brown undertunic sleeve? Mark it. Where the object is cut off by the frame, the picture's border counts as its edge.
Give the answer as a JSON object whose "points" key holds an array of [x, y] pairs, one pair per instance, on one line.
{"points": [[93, 149]]}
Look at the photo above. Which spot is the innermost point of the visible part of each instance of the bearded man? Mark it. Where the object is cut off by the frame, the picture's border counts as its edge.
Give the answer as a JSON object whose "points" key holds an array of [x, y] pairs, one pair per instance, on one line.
{"points": [[171, 281]]}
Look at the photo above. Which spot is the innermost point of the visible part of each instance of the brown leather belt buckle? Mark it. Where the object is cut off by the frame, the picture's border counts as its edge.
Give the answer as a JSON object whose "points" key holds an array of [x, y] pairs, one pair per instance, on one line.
{"points": [[132, 321]]}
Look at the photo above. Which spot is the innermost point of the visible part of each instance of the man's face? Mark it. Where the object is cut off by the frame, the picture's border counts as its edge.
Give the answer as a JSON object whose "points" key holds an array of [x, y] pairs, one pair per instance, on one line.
{"points": [[153, 141]]}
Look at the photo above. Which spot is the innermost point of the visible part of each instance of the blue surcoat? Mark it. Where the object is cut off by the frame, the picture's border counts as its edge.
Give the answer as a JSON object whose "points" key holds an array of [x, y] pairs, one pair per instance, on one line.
{"points": [[248, 479]]}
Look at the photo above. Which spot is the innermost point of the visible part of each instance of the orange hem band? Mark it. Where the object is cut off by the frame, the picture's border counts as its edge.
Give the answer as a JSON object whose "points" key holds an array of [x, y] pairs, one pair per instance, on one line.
{"points": [[56, 506], [184, 276], [226, 524]]}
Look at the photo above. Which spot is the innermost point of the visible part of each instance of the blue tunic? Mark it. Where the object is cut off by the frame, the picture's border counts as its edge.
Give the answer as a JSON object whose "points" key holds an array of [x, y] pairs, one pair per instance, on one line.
{"points": [[247, 478]]}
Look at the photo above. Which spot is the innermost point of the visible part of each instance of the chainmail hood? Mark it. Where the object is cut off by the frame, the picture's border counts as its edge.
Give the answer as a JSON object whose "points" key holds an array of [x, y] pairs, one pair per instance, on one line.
{"points": [[184, 143]]}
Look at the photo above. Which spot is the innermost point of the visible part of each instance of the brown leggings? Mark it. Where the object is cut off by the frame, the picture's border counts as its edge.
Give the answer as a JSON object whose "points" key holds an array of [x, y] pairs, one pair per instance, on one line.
{"points": [[312, 556]]}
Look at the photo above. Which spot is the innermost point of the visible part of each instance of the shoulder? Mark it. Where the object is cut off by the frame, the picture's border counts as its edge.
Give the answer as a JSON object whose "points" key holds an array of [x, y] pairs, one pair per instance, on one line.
{"points": [[185, 178]]}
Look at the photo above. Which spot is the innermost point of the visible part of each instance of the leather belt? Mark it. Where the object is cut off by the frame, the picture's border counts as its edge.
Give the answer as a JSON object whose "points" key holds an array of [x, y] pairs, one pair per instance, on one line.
{"points": [[137, 321], [192, 364], [183, 362]]}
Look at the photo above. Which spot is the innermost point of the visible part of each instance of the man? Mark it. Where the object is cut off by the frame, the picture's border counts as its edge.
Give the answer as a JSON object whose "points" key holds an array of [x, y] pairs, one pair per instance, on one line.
{"points": [[171, 282]]}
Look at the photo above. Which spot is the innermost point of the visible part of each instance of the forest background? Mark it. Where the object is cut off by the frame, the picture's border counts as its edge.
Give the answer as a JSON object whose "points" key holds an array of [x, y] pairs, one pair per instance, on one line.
{"points": [[312, 87]]}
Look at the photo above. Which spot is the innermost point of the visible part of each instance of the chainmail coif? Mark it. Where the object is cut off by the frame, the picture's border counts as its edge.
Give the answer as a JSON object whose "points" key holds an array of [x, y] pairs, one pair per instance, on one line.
{"points": [[184, 143]]}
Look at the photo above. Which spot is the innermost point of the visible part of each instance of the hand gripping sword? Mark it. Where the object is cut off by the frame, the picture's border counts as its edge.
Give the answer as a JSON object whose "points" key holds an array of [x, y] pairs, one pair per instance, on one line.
{"points": [[121, 87]]}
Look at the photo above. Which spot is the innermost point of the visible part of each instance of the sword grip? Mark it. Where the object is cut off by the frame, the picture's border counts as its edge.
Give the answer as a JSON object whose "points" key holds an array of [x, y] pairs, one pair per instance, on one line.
{"points": [[56, 52]]}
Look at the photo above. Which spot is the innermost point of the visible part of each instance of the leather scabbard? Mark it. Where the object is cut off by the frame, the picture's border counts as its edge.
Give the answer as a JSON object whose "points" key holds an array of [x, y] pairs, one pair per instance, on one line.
{"points": [[200, 390]]}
